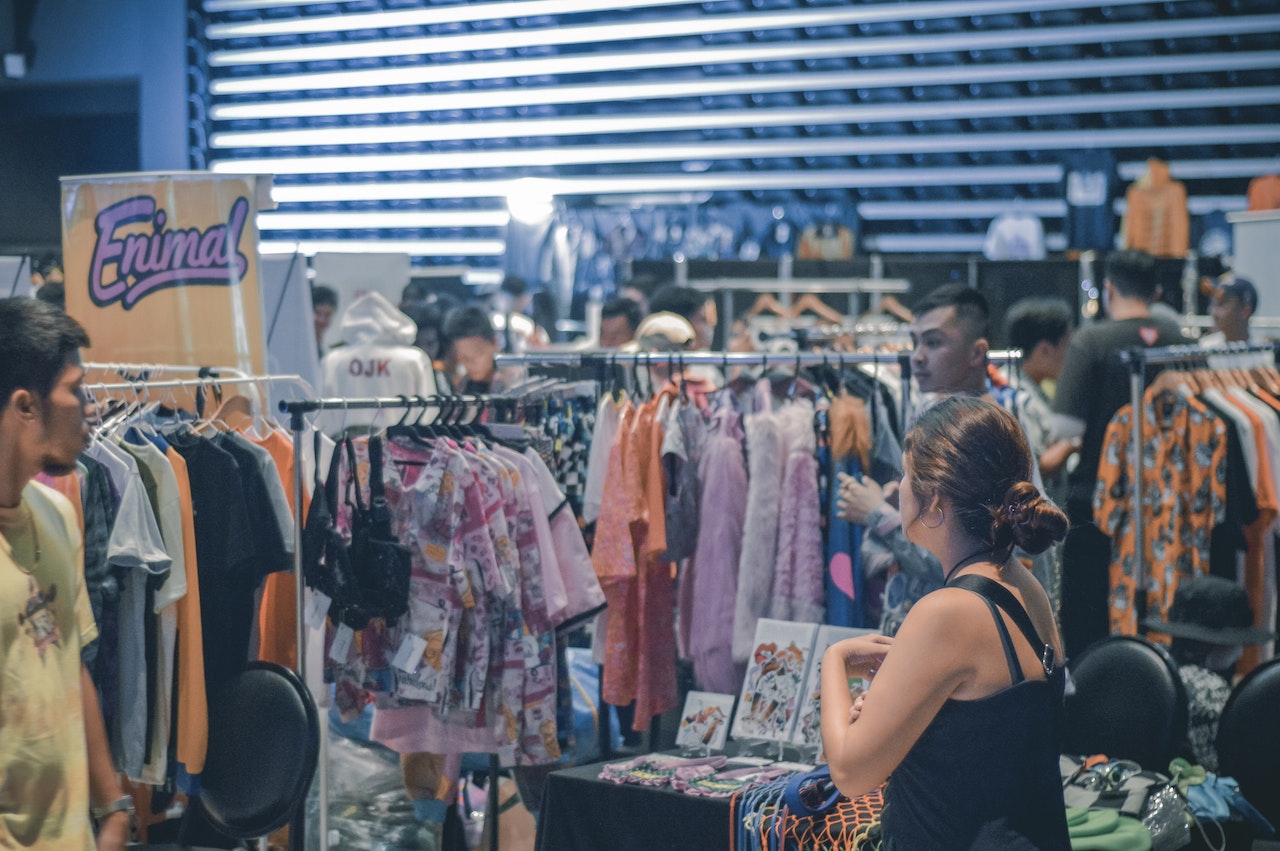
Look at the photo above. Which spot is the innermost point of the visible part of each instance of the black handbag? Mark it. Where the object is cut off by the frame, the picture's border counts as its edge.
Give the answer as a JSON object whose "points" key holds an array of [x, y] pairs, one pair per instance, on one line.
{"points": [[380, 563], [326, 563]]}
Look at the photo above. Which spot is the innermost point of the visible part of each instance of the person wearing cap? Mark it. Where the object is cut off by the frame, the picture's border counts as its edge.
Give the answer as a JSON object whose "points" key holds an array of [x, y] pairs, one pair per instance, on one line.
{"points": [[1232, 305], [670, 332], [1209, 621]]}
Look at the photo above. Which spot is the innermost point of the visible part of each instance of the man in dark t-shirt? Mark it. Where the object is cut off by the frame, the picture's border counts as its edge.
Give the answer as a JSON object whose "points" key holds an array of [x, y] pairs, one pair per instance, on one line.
{"points": [[1094, 385]]}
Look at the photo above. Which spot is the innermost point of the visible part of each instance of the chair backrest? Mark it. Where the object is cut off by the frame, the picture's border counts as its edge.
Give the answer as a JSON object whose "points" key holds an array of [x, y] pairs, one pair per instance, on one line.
{"points": [[264, 739], [1129, 703], [1249, 738]]}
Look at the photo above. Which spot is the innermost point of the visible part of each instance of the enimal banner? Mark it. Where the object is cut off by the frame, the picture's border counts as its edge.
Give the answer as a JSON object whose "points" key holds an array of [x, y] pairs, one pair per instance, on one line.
{"points": [[163, 268]]}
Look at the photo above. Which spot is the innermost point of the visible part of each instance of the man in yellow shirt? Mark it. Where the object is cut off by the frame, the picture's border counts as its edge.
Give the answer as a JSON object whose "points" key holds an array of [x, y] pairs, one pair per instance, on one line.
{"points": [[53, 746]]}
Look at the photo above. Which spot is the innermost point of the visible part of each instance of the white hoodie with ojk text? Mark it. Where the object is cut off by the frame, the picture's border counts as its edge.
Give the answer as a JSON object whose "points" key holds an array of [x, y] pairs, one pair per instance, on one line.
{"points": [[377, 359]]}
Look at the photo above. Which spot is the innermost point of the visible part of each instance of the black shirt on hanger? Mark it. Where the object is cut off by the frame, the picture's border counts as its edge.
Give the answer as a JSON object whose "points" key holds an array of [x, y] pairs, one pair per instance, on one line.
{"points": [[225, 557], [268, 541]]}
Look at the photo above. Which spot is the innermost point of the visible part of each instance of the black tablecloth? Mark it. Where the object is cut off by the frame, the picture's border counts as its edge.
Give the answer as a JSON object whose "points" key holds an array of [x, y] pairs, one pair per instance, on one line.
{"points": [[580, 812]]}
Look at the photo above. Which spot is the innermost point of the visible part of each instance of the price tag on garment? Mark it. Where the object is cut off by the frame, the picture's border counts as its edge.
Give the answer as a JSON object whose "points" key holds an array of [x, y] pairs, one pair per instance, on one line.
{"points": [[318, 604], [341, 648], [410, 653]]}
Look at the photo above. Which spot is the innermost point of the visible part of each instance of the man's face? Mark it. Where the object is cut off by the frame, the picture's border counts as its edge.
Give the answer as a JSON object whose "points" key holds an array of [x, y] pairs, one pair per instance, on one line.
{"points": [[324, 318], [1056, 355], [944, 358], [1228, 312], [615, 331], [474, 357], [55, 430]]}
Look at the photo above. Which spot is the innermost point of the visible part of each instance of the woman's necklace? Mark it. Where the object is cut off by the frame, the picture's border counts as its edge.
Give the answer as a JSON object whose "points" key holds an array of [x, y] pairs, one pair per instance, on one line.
{"points": [[980, 555]]}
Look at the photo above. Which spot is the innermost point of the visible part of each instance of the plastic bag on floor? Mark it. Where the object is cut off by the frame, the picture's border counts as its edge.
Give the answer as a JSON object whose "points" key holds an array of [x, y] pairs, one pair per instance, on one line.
{"points": [[368, 807]]}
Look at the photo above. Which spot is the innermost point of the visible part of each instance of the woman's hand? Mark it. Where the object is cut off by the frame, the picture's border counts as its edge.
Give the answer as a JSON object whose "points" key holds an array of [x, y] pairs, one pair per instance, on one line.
{"points": [[858, 498], [861, 656], [856, 709]]}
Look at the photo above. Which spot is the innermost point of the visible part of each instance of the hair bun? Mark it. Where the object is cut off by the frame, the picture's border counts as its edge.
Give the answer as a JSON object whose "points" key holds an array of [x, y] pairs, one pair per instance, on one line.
{"points": [[1028, 520]]}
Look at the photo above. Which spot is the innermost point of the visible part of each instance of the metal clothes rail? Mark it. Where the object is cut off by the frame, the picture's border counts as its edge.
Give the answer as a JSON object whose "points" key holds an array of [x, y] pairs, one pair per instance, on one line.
{"points": [[1138, 359], [601, 359]]}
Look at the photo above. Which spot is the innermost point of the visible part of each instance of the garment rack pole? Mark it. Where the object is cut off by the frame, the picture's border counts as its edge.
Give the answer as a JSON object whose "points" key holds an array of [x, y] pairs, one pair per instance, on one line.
{"points": [[174, 383], [828, 357], [602, 359], [1138, 359]]}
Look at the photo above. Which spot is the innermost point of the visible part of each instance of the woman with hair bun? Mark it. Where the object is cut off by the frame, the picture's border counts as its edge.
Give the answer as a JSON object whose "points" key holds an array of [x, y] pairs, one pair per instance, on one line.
{"points": [[965, 708]]}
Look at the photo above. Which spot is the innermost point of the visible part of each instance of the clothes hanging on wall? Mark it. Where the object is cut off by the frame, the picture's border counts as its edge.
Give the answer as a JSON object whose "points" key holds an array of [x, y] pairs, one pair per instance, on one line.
{"points": [[1015, 235], [1264, 192], [1157, 220], [1089, 184]]}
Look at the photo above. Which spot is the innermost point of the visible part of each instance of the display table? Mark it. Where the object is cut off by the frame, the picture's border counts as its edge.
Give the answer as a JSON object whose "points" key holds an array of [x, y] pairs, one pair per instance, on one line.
{"points": [[581, 812]]}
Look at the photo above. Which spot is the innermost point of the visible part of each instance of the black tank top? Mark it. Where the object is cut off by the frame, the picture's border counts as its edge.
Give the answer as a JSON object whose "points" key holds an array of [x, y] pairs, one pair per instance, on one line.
{"points": [[985, 772]]}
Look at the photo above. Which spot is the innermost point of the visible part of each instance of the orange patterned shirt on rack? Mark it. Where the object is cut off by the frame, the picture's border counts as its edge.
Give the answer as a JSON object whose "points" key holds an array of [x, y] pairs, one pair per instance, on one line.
{"points": [[1184, 485]]}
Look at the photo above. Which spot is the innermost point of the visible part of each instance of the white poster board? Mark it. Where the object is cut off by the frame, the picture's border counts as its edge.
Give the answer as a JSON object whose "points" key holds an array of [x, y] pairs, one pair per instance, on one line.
{"points": [[808, 729], [704, 723], [770, 699], [1257, 255], [287, 325], [15, 276]]}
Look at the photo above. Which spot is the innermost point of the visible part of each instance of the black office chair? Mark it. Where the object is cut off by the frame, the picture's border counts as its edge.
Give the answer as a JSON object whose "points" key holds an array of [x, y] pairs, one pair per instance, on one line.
{"points": [[264, 740], [1129, 703], [1249, 738]]}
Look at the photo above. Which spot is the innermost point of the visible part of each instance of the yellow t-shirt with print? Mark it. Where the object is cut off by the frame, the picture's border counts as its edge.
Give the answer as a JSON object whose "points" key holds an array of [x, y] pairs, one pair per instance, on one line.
{"points": [[45, 620]]}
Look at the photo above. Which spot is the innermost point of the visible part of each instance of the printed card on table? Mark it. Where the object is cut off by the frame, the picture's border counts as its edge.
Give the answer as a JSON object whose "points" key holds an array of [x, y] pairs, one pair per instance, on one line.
{"points": [[705, 720], [808, 729], [770, 699]]}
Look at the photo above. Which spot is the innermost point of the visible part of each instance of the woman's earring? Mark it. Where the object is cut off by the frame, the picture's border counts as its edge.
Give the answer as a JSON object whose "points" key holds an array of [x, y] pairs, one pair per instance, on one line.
{"points": [[941, 519]]}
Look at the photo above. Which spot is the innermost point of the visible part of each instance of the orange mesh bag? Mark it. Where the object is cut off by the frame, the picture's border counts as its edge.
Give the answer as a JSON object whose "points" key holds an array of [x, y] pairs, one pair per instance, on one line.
{"points": [[809, 814]]}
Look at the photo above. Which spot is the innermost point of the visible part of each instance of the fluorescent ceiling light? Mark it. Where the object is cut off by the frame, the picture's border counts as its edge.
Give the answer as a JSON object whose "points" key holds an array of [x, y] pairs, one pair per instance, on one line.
{"points": [[908, 210], [1192, 169], [810, 147], [626, 31], [465, 13], [1198, 205], [360, 220], [926, 243], [707, 182], [682, 199], [497, 11], [416, 248], [726, 119], [247, 5], [746, 85], [753, 53]]}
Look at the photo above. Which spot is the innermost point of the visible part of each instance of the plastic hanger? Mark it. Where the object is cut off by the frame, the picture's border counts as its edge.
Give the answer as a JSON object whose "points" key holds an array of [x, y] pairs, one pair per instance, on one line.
{"points": [[768, 303], [813, 304]]}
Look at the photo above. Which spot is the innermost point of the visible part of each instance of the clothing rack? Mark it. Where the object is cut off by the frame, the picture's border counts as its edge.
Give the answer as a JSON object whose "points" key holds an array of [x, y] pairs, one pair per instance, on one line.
{"points": [[161, 368], [1138, 359], [297, 410], [208, 377]]}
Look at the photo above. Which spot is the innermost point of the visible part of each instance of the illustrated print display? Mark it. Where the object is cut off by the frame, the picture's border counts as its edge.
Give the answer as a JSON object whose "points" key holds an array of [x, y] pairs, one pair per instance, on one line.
{"points": [[770, 699], [808, 729], [704, 723]]}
